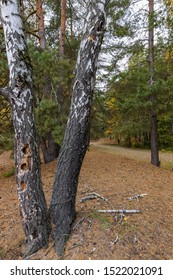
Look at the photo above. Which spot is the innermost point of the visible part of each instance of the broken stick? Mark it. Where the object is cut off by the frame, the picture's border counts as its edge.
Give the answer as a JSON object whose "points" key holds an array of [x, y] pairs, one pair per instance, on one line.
{"points": [[120, 211], [137, 196]]}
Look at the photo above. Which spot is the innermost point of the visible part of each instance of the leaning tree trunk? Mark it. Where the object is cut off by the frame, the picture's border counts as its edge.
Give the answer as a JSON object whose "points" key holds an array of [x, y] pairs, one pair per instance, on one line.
{"points": [[153, 113], [76, 138], [19, 94]]}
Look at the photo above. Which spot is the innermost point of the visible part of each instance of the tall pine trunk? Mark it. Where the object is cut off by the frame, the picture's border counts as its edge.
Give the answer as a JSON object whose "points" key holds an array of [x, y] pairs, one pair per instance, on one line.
{"points": [[153, 113], [50, 149], [60, 90], [76, 138], [19, 93], [40, 20]]}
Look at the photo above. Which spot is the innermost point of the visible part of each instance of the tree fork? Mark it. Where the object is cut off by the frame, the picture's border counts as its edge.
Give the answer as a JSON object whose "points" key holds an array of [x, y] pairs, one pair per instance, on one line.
{"points": [[76, 139]]}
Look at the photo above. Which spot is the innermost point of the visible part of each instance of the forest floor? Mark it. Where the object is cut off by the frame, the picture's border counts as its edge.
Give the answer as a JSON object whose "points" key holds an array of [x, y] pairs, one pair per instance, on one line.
{"points": [[114, 173]]}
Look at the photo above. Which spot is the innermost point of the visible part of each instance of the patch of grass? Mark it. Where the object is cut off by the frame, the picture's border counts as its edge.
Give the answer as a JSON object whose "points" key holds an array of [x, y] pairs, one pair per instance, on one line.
{"points": [[105, 220], [9, 173], [167, 165]]}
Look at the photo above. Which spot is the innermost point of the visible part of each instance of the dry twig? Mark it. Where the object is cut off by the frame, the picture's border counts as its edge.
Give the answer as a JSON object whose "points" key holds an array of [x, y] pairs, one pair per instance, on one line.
{"points": [[95, 195], [120, 211], [137, 196]]}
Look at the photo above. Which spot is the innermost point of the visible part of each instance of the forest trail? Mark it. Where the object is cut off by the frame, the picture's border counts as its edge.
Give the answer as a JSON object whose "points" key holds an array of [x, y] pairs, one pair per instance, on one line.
{"points": [[166, 158], [111, 173]]}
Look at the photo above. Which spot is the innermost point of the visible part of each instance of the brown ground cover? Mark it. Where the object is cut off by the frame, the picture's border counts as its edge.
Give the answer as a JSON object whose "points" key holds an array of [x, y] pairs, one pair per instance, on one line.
{"points": [[115, 176]]}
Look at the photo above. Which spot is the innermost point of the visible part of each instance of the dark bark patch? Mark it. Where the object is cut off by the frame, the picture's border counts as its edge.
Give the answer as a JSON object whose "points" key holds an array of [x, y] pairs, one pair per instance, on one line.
{"points": [[100, 26]]}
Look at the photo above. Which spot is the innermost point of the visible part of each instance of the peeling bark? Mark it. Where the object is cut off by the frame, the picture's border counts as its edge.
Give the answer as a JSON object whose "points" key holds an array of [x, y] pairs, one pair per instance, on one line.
{"points": [[29, 187], [75, 143]]}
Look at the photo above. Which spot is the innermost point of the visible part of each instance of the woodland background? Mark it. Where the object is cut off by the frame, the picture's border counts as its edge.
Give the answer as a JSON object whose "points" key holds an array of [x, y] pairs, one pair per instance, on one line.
{"points": [[133, 88], [121, 103]]}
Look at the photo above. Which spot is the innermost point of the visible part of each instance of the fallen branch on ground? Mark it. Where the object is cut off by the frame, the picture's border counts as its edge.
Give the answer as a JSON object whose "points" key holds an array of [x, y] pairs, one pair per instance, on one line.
{"points": [[120, 211], [115, 241], [95, 195], [88, 197], [80, 222], [137, 196]]}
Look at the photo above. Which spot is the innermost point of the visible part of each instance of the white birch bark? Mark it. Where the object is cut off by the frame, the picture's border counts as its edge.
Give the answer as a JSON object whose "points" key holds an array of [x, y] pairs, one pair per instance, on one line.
{"points": [[19, 93]]}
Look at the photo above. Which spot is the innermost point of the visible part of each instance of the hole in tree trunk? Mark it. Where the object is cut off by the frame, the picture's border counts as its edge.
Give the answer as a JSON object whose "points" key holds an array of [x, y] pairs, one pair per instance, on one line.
{"points": [[23, 186], [24, 166], [26, 149]]}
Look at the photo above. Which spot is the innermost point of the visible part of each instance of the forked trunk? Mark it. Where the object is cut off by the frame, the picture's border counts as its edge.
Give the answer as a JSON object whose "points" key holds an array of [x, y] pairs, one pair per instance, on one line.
{"points": [[76, 138]]}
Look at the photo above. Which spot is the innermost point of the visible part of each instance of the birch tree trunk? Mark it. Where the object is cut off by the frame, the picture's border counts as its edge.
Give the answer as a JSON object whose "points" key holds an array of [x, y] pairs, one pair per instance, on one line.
{"points": [[19, 93], [153, 113], [76, 138]]}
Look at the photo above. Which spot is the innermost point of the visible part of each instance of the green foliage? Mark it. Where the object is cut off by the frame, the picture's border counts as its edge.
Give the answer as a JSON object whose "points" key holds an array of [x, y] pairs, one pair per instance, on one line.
{"points": [[50, 119], [9, 173], [103, 219], [125, 108], [50, 72], [6, 128]]}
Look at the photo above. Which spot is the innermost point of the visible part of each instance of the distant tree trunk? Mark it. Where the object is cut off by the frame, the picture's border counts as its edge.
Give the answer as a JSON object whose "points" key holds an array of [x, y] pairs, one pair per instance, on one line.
{"points": [[40, 20], [153, 113], [50, 149], [75, 143], [62, 28], [60, 91], [19, 94], [71, 19]]}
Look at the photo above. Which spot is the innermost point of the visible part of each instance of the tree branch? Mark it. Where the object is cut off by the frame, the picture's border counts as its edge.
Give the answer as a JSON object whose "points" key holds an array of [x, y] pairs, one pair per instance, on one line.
{"points": [[31, 14], [33, 33]]}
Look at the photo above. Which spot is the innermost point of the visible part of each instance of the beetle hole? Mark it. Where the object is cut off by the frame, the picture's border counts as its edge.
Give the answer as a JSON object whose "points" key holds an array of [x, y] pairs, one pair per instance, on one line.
{"points": [[100, 26], [24, 166], [23, 186], [25, 149]]}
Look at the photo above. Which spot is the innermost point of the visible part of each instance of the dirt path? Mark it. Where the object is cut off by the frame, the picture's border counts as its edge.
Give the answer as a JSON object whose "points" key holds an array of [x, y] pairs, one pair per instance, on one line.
{"points": [[166, 158], [116, 177]]}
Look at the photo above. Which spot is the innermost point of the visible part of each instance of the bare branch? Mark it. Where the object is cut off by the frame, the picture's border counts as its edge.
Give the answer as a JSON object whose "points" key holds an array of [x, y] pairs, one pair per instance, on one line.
{"points": [[120, 211], [33, 33], [31, 14], [137, 196]]}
